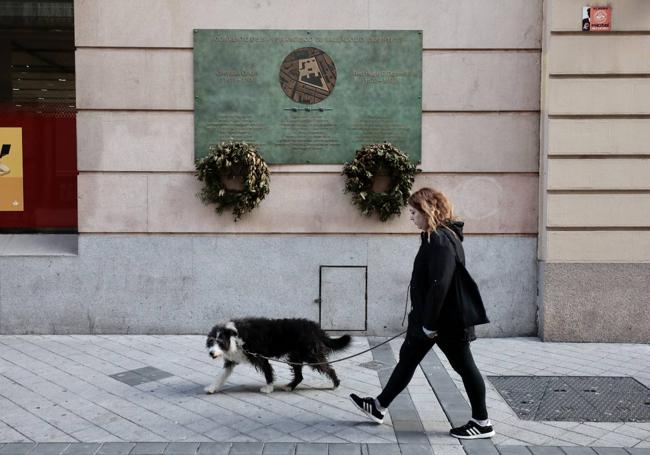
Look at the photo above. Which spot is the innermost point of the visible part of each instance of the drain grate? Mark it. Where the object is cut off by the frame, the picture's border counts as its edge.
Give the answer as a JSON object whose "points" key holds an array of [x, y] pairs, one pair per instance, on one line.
{"points": [[373, 365], [141, 375], [575, 398]]}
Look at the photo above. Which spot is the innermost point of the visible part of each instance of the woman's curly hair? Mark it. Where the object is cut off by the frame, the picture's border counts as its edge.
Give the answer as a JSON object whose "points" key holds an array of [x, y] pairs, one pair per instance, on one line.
{"points": [[435, 206]]}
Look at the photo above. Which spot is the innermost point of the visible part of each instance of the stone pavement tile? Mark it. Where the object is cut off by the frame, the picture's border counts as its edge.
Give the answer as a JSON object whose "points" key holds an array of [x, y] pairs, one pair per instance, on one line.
{"points": [[311, 449], [344, 449], [442, 439], [244, 438], [247, 448], [330, 427], [279, 448], [611, 426], [29, 424], [501, 440], [531, 438], [377, 440], [82, 448], [95, 434], [17, 448], [576, 438], [308, 434], [441, 427], [330, 439], [415, 449], [557, 442], [550, 430], [115, 448], [181, 448], [513, 450], [222, 433], [353, 434], [148, 448], [578, 450], [214, 448], [615, 440], [479, 447], [411, 437], [203, 425], [635, 451], [537, 450], [8, 434], [267, 434], [640, 433], [413, 424], [382, 449], [589, 430], [50, 448], [287, 438], [610, 451], [447, 450]]}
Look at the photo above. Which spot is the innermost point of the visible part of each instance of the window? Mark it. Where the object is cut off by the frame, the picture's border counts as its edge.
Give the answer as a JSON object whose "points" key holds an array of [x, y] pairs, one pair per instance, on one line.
{"points": [[38, 166]]}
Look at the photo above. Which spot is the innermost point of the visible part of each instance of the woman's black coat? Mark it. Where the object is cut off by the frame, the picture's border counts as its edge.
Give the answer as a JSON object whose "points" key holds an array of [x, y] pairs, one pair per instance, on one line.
{"points": [[432, 303]]}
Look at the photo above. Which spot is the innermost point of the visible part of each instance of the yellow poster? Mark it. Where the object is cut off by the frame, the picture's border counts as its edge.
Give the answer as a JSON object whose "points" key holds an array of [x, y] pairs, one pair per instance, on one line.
{"points": [[11, 170]]}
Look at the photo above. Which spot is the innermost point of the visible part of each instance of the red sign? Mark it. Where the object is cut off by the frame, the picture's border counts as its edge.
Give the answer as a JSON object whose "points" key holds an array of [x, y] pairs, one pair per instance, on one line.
{"points": [[49, 171], [596, 18]]}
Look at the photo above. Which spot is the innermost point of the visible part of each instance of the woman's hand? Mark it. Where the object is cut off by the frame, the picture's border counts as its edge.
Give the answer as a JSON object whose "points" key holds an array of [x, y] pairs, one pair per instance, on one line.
{"points": [[431, 334]]}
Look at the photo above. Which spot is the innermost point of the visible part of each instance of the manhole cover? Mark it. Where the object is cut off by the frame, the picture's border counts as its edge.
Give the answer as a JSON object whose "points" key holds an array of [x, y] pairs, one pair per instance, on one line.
{"points": [[575, 398], [373, 365], [141, 375]]}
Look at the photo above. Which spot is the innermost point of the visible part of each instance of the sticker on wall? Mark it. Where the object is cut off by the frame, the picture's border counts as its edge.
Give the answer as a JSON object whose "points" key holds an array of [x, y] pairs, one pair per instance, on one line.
{"points": [[596, 19], [11, 170]]}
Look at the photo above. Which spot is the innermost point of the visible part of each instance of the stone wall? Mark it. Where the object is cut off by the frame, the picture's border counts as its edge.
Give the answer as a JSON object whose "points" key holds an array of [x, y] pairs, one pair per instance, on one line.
{"points": [[595, 175], [139, 218]]}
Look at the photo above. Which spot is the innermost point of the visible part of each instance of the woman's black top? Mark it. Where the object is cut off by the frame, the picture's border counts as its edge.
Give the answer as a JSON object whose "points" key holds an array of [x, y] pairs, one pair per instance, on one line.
{"points": [[431, 280]]}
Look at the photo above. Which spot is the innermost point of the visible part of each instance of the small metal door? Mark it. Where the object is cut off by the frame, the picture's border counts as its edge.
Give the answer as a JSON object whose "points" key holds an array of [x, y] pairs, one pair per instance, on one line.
{"points": [[343, 297]]}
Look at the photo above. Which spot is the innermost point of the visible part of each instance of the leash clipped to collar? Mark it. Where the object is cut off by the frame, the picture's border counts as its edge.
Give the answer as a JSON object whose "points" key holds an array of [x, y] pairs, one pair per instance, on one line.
{"points": [[324, 363]]}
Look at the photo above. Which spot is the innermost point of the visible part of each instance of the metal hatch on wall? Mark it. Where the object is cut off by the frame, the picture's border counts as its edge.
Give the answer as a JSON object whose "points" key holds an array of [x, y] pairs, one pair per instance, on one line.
{"points": [[343, 297]]}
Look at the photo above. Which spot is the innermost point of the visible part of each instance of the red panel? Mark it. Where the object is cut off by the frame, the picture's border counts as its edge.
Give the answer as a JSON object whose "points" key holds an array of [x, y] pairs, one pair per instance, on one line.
{"points": [[49, 169]]}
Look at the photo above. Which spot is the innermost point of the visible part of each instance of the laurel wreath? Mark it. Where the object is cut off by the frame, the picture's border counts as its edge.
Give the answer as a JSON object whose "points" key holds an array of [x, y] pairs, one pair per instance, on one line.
{"points": [[379, 159], [233, 160]]}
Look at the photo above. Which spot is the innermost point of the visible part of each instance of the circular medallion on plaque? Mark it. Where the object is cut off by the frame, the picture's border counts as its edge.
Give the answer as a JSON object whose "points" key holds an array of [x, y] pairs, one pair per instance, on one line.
{"points": [[307, 75]]}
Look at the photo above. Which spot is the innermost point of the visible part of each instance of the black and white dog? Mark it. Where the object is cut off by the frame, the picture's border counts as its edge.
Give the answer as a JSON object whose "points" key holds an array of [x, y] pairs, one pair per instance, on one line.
{"points": [[297, 340]]}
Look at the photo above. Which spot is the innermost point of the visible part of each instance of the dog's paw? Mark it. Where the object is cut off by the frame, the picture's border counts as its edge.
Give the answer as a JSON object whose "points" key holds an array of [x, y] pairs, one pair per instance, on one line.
{"points": [[267, 389], [211, 389], [286, 388]]}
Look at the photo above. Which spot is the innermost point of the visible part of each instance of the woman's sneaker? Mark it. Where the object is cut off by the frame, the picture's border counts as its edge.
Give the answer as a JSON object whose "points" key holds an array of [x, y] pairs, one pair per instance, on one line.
{"points": [[472, 430], [367, 406]]}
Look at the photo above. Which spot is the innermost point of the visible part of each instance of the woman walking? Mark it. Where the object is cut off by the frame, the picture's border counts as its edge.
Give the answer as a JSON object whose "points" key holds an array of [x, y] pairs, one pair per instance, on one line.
{"points": [[433, 318]]}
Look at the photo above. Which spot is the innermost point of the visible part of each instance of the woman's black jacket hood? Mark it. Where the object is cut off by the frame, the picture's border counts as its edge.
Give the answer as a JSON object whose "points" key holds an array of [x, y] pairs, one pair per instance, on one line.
{"points": [[457, 227]]}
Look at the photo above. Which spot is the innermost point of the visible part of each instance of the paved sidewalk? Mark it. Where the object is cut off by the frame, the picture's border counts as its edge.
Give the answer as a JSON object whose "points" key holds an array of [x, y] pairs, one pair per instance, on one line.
{"points": [[529, 356], [143, 395]]}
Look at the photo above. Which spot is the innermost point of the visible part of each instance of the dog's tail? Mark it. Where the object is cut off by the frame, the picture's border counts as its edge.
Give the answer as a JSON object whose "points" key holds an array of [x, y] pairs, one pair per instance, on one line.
{"points": [[336, 344]]}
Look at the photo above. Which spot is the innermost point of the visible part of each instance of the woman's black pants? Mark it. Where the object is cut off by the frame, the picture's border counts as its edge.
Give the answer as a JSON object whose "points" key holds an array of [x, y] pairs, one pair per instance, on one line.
{"points": [[460, 357]]}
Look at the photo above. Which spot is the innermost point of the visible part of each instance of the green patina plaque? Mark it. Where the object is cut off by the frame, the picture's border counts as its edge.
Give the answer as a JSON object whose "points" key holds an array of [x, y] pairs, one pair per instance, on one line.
{"points": [[308, 96]]}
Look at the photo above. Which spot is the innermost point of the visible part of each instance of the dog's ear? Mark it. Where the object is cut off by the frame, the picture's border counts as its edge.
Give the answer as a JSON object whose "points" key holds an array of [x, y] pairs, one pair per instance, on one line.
{"points": [[231, 330]]}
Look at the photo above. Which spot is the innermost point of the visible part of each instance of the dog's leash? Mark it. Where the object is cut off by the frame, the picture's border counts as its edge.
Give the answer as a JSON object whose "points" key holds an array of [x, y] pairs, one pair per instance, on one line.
{"points": [[323, 363]]}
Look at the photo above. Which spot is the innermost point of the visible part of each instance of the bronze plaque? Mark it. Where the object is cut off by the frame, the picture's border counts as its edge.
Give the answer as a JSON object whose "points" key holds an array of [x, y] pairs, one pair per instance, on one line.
{"points": [[308, 96]]}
